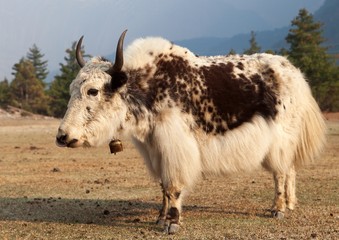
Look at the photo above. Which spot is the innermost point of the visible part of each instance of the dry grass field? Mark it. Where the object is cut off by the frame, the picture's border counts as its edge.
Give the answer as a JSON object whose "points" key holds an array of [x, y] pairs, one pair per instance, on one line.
{"points": [[48, 192]]}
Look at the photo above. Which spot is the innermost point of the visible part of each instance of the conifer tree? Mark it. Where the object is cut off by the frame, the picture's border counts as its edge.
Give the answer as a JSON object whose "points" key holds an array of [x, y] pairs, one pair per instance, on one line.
{"points": [[26, 90], [4, 93], [307, 52], [232, 52], [306, 48], [59, 90], [40, 65], [254, 47]]}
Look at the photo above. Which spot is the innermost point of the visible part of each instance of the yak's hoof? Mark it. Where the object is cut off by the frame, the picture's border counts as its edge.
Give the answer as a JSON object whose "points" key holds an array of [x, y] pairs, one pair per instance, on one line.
{"points": [[160, 222], [290, 206], [277, 214], [172, 228]]}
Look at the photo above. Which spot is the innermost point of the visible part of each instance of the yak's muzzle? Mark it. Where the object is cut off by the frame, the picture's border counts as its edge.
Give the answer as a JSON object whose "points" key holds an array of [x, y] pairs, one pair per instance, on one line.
{"points": [[63, 140]]}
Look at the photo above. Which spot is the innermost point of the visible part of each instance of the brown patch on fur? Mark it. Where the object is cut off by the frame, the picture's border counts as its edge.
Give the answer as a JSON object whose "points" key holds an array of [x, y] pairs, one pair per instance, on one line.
{"points": [[240, 65], [215, 95], [238, 98]]}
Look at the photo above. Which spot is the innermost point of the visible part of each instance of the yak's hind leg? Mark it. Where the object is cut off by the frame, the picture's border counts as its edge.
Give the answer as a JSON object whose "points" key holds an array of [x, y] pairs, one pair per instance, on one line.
{"points": [[290, 196], [279, 203], [284, 192]]}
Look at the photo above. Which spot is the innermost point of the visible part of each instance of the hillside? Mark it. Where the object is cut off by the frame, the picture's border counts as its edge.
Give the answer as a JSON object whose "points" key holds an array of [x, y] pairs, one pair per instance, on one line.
{"points": [[274, 39], [11, 113], [329, 15], [220, 46]]}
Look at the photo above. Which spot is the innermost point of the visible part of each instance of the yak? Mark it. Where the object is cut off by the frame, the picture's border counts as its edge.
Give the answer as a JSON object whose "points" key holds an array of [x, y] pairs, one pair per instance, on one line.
{"points": [[190, 116]]}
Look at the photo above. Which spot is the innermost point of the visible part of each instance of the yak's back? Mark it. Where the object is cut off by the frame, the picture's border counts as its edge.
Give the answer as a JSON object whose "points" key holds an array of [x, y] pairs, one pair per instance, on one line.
{"points": [[221, 92]]}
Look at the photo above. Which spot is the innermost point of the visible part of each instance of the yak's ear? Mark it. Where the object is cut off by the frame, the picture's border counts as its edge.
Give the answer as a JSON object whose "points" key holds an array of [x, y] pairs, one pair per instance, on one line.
{"points": [[118, 79]]}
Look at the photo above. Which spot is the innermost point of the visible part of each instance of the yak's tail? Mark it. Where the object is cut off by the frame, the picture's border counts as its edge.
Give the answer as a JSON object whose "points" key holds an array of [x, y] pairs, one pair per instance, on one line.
{"points": [[312, 135]]}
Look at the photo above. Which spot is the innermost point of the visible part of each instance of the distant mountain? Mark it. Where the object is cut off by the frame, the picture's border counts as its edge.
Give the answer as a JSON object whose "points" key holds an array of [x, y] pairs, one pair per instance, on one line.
{"points": [[273, 39], [54, 25], [220, 46], [328, 14]]}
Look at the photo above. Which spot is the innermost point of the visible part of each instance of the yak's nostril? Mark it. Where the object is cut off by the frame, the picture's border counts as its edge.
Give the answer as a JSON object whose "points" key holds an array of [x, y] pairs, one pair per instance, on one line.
{"points": [[61, 140]]}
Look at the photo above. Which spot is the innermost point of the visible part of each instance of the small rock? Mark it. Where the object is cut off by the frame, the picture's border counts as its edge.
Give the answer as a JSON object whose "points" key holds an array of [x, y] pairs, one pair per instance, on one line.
{"points": [[313, 235], [106, 212], [56, 170], [88, 191], [97, 182]]}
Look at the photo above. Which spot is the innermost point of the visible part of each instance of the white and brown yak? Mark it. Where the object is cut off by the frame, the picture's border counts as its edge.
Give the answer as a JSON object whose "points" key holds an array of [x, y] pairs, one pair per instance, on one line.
{"points": [[191, 115]]}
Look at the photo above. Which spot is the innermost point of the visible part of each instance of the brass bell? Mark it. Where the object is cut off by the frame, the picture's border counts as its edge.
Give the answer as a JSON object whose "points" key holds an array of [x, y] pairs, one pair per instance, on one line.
{"points": [[115, 146]]}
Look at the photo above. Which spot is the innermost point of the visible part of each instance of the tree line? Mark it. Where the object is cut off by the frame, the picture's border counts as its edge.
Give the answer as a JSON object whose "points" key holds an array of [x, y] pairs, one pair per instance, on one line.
{"points": [[28, 89], [307, 51]]}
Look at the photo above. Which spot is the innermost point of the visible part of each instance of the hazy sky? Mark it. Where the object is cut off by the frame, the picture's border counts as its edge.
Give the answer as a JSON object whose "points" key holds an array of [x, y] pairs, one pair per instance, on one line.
{"points": [[54, 24]]}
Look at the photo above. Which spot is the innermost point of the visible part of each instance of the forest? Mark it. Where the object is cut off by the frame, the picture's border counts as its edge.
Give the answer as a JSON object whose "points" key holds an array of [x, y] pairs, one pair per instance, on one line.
{"points": [[307, 50]]}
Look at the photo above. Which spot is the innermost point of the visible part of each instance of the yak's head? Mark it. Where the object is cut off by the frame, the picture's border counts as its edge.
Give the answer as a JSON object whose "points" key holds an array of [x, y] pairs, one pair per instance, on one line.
{"points": [[96, 110]]}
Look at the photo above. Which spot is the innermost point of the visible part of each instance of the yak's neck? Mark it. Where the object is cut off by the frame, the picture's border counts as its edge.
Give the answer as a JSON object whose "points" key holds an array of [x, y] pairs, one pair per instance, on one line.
{"points": [[139, 116]]}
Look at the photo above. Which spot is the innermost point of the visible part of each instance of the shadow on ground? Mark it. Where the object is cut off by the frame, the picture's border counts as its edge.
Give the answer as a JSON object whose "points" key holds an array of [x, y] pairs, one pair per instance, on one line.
{"points": [[98, 212], [77, 211]]}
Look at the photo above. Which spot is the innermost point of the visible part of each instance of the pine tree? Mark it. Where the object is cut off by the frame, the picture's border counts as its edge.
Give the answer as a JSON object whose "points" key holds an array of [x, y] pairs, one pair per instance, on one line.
{"points": [[36, 57], [59, 90], [4, 93], [307, 52], [232, 52], [306, 49], [254, 47], [26, 90]]}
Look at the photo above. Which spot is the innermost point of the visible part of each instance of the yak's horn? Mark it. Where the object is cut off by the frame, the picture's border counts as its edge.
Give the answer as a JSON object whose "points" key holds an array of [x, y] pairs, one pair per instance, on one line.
{"points": [[119, 55], [79, 57]]}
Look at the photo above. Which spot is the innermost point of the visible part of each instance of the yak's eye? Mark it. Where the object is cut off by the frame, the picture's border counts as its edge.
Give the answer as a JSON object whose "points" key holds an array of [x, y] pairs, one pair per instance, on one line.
{"points": [[92, 92]]}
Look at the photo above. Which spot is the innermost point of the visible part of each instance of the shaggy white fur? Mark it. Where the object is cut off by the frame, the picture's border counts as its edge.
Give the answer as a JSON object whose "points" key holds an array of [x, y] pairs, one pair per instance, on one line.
{"points": [[176, 149]]}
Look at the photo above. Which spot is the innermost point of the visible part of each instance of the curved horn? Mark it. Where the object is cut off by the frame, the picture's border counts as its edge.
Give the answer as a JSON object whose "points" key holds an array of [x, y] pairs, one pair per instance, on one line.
{"points": [[79, 57], [119, 55]]}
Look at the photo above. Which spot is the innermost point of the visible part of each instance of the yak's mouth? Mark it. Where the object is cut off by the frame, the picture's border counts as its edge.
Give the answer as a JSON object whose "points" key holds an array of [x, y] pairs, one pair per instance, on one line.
{"points": [[115, 145], [60, 142], [72, 143]]}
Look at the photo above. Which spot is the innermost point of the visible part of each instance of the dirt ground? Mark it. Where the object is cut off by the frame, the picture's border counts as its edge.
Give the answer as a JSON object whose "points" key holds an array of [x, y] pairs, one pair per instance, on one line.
{"points": [[48, 192]]}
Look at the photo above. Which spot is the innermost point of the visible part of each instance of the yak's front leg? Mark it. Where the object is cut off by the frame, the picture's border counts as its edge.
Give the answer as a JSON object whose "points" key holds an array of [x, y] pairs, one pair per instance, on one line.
{"points": [[179, 161], [174, 196], [164, 209]]}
